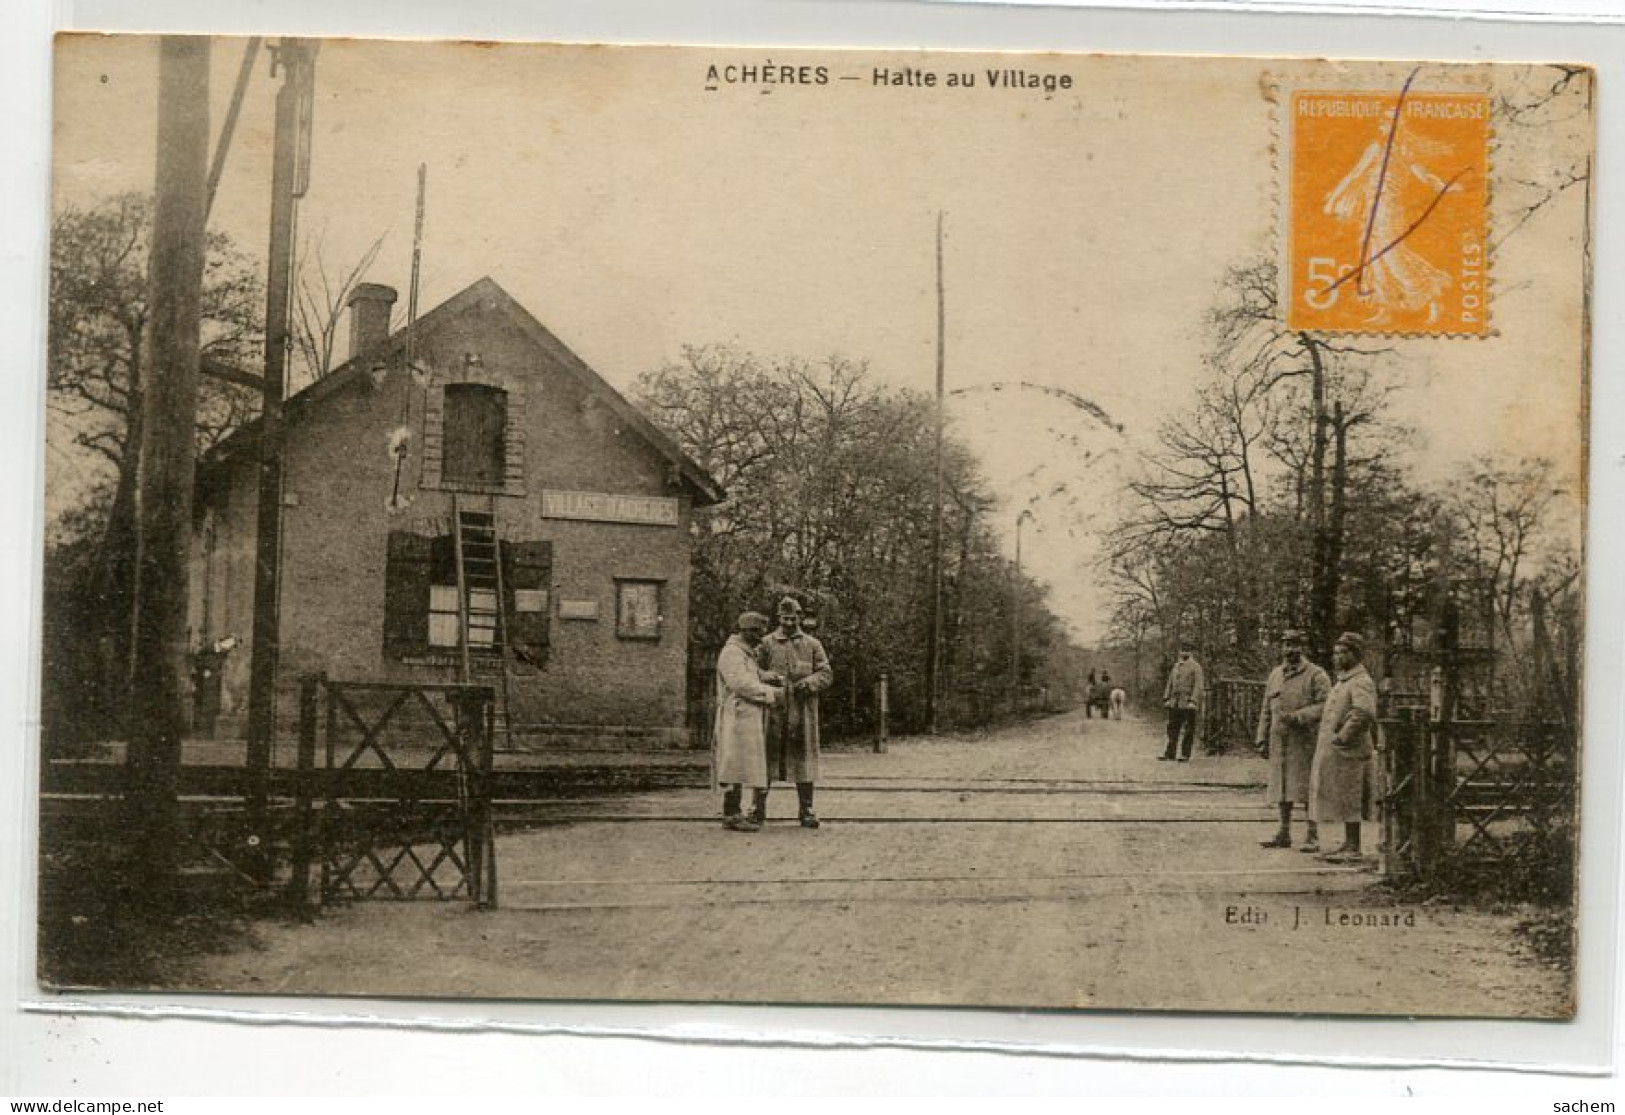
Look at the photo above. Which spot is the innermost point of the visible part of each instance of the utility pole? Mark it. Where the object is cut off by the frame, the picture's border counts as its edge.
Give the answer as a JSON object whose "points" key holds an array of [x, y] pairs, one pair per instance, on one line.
{"points": [[160, 678], [1015, 620], [933, 655], [290, 171]]}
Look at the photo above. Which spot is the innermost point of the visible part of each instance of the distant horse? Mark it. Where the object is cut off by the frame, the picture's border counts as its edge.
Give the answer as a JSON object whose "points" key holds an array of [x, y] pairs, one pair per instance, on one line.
{"points": [[1119, 700]]}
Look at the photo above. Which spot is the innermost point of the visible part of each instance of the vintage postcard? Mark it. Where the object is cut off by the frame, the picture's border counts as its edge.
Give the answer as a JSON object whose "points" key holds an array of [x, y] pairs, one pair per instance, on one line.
{"points": [[818, 526]]}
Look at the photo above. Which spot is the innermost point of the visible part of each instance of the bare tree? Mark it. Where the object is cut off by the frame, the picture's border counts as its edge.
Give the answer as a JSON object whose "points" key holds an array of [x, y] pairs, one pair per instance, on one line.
{"points": [[1503, 520], [97, 324], [318, 306]]}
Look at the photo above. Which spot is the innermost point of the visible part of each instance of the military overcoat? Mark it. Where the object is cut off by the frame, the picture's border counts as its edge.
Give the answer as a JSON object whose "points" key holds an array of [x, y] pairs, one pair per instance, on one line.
{"points": [[793, 732], [1343, 779], [1288, 721], [739, 742]]}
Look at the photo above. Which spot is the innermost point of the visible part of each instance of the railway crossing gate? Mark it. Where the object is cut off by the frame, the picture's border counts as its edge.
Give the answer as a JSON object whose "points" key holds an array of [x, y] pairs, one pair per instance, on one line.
{"points": [[393, 793]]}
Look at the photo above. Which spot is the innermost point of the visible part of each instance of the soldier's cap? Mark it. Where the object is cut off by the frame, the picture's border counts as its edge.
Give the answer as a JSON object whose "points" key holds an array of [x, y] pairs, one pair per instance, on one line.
{"points": [[1354, 644], [1292, 635], [789, 606], [752, 620], [1186, 644]]}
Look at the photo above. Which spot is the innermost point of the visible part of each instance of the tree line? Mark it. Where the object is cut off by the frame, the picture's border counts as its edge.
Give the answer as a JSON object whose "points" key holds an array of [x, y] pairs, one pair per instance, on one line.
{"points": [[831, 492]]}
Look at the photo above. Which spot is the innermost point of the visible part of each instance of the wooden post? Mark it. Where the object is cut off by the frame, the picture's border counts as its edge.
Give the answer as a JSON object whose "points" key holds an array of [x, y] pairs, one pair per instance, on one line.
{"points": [[488, 822], [160, 677], [883, 698], [480, 851], [297, 61], [304, 793]]}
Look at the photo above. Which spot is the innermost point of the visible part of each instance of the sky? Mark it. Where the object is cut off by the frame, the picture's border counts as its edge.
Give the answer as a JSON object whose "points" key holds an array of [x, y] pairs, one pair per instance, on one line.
{"points": [[635, 211]]}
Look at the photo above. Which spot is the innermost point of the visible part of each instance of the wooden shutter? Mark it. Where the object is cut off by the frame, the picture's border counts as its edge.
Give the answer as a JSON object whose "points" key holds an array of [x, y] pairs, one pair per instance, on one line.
{"points": [[406, 594], [527, 567], [475, 435]]}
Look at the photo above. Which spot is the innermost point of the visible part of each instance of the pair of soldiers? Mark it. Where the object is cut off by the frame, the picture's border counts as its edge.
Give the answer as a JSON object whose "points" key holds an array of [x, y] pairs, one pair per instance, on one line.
{"points": [[1319, 736], [767, 724]]}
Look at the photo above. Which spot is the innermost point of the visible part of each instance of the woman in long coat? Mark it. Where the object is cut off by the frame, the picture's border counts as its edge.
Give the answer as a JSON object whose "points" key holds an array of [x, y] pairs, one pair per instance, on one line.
{"points": [[1342, 781], [739, 741]]}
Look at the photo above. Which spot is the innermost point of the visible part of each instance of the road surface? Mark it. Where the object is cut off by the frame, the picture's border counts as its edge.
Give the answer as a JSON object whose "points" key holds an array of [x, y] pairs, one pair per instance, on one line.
{"points": [[1056, 863]]}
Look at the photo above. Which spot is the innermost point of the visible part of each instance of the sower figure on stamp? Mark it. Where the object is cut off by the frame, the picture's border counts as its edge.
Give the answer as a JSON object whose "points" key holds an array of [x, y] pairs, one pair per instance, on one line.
{"points": [[1288, 722], [1187, 687], [1342, 783], [744, 694], [793, 735]]}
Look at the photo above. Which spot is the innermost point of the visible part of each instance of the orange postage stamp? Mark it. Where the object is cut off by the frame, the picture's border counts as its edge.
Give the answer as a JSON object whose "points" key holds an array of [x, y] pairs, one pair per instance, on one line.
{"points": [[1387, 212]]}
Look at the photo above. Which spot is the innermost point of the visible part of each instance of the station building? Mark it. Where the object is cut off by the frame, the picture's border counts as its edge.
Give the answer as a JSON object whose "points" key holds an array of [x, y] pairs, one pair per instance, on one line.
{"points": [[464, 500]]}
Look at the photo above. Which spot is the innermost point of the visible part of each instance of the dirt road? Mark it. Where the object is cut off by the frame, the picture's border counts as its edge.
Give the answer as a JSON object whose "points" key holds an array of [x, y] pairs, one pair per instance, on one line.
{"points": [[1054, 864]]}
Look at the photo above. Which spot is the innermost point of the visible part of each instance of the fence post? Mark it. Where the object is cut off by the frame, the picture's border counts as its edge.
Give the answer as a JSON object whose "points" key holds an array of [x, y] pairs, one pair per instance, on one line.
{"points": [[883, 697], [480, 757], [1400, 809], [1430, 828], [304, 791]]}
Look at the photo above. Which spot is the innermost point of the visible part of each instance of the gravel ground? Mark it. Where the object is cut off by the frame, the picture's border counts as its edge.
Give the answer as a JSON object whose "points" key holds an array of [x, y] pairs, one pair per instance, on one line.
{"points": [[1053, 864]]}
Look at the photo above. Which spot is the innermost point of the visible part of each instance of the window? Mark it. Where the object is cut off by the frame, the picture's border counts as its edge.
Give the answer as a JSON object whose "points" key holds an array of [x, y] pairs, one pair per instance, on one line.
{"points": [[443, 615], [637, 609], [421, 615], [475, 435]]}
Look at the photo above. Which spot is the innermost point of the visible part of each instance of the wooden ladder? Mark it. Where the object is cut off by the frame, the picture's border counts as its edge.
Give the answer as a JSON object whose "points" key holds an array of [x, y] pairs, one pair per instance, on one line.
{"points": [[482, 607]]}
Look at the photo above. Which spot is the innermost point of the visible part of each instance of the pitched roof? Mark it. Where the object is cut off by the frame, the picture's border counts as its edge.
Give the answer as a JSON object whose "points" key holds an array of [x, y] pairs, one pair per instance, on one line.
{"points": [[706, 490]]}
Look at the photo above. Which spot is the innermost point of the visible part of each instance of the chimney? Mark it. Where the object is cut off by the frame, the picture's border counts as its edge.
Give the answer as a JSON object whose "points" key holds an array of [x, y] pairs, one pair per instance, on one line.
{"points": [[369, 316]]}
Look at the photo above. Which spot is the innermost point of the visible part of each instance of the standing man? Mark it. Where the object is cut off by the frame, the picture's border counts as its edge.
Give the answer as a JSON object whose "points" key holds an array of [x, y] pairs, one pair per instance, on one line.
{"points": [[1342, 781], [739, 742], [793, 737], [1287, 724], [1187, 687]]}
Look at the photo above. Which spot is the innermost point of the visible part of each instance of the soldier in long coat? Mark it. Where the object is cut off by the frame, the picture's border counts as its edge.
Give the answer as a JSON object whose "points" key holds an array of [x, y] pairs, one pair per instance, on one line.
{"points": [[1288, 723], [739, 743], [793, 733], [1342, 781]]}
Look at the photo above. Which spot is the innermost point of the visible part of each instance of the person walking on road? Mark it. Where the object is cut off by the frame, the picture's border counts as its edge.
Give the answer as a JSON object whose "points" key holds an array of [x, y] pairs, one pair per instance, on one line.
{"points": [[1288, 721], [1187, 687], [1090, 688], [1342, 782], [739, 741], [793, 731]]}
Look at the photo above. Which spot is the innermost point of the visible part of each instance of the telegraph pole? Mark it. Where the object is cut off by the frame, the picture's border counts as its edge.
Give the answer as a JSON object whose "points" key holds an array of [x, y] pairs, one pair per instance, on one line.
{"points": [[160, 678], [290, 169], [933, 655], [1015, 620]]}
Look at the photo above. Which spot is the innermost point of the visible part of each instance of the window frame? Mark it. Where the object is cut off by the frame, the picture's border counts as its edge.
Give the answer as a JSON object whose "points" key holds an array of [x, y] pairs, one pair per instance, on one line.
{"points": [[454, 612], [642, 635], [433, 476], [490, 460]]}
